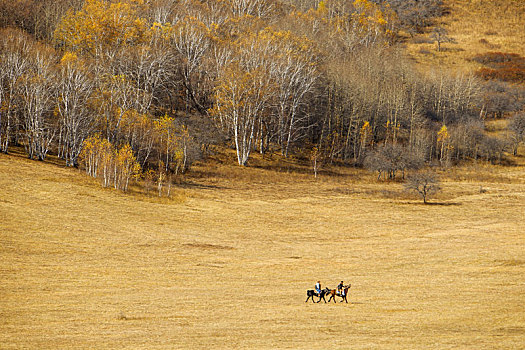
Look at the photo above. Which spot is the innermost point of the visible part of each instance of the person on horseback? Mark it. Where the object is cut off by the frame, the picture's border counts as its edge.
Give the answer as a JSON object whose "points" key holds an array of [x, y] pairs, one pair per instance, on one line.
{"points": [[318, 287], [340, 289]]}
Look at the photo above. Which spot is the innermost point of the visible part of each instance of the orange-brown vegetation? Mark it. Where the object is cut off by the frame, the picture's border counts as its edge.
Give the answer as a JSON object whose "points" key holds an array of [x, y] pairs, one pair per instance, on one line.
{"points": [[508, 67]]}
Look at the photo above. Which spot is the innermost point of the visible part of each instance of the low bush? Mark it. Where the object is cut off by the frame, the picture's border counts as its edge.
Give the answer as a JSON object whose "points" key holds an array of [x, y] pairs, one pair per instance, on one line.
{"points": [[509, 67]]}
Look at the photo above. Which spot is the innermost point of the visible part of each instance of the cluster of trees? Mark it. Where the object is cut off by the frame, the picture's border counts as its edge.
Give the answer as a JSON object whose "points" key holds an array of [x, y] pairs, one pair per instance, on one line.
{"points": [[109, 84], [36, 17], [101, 74], [414, 16], [113, 167]]}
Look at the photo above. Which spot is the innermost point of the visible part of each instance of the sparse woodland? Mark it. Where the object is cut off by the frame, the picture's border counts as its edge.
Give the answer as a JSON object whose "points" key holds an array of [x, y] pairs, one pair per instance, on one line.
{"points": [[180, 173], [139, 89]]}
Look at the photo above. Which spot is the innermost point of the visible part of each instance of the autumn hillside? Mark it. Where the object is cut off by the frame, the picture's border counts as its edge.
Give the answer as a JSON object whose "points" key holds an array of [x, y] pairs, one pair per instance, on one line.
{"points": [[178, 174], [136, 92], [477, 27]]}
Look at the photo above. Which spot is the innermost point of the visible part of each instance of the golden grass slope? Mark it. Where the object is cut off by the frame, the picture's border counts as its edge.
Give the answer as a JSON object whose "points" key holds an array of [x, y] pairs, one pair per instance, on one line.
{"points": [[478, 26], [85, 267]]}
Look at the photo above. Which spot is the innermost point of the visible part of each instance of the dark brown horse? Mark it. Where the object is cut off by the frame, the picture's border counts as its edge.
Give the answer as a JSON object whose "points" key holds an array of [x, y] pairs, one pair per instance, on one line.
{"points": [[311, 293], [333, 293]]}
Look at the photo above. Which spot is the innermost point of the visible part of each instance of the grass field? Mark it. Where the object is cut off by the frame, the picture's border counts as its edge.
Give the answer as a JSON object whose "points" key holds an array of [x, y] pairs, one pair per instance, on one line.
{"points": [[477, 26], [227, 264]]}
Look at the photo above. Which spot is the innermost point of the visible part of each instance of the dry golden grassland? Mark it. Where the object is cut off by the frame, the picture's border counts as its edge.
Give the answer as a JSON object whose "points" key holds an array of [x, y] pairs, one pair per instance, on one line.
{"points": [[478, 26], [229, 266]]}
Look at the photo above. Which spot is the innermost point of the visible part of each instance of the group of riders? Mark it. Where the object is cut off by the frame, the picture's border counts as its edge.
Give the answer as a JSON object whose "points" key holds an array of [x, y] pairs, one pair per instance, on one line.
{"points": [[340, 288], [341, 291]]}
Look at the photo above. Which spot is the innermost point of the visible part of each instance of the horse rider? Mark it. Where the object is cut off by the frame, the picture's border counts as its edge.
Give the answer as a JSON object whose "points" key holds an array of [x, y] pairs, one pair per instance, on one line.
{"points": [[318, 287], [340, 289]]}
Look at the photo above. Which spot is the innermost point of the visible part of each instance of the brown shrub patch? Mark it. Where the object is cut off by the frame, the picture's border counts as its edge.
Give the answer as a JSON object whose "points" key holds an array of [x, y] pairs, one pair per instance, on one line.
{"points": [[508, 67]]}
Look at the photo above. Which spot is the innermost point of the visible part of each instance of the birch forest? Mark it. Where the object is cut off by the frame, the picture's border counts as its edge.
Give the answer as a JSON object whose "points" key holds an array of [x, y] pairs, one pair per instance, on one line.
{"points": [[138, 89]]}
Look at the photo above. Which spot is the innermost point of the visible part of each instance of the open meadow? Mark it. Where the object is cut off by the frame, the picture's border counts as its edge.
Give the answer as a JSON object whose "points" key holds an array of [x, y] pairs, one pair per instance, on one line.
{"points": [[226, 264], [477, 27]]}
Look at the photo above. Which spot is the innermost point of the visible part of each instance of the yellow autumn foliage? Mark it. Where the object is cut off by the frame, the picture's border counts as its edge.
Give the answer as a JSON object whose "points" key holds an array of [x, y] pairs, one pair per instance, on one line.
{"points": [[112, 166], [100, 25], [443, 135]]}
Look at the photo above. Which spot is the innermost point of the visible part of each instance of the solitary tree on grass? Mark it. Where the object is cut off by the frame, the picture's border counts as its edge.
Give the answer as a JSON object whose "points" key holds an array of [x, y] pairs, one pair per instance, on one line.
{"points": [[424, 183], [517, 128], [440, 35]]}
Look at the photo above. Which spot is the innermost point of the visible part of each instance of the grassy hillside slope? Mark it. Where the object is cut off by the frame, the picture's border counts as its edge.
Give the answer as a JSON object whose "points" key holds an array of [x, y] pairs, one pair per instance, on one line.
{"points": [[478, 26], [84, 267], [226, 264]]}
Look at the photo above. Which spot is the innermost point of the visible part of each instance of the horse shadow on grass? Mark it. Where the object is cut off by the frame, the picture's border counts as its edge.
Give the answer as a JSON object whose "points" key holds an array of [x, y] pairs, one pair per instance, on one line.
{"points": [[444, 204], [192, 185], [441, 204]]}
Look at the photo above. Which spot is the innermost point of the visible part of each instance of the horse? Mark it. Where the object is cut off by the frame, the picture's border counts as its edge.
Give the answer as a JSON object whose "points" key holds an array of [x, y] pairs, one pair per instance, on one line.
{"points": [[311, 293], [333, 293]]}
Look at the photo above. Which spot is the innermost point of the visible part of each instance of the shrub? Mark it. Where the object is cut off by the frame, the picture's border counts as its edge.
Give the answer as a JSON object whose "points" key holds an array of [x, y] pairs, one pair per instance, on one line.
{"points": [[388, 159], [508, 74], [495, 57], [508, 67]]}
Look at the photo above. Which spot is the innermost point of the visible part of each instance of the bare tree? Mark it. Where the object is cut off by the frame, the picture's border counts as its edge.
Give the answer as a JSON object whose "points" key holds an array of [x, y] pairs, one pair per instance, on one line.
{"points": [[35, 93], [500, 99], [492, 149], [415, 15], [191, 40], [440, 35], [114, 98], [517, 128], [388, 159], [424, 183], [241, 97], [73, 93], [14, 62], [258, 8], [295, 73], [162, 10]]}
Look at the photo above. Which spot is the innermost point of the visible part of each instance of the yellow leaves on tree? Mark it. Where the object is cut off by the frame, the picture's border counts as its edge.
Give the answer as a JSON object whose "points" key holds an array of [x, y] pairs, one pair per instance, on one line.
{"points": [[366, 132], [365, 135], [370, 18], [344, 20], [241, 98], [172, 143], [136, 126], [443, 137], [100, 25], [161, 30], [238, 93], [443, 134], [113, 167], [287, 45], [321, 8], [126, 167], [96, 156], [391, 130], [69, 58]]}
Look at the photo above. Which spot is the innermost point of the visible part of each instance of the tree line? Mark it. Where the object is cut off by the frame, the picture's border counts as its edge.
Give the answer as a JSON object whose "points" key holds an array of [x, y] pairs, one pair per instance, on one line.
{"points": [[126, 88]]}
